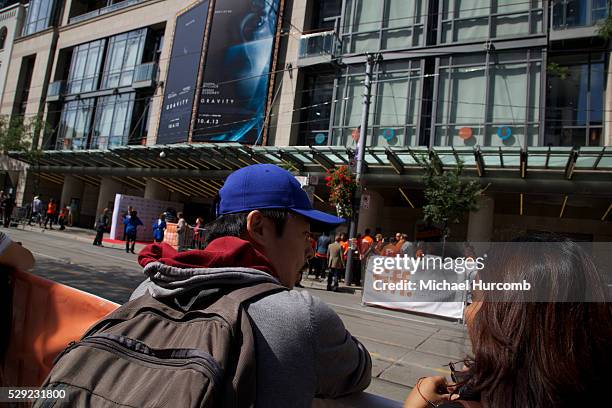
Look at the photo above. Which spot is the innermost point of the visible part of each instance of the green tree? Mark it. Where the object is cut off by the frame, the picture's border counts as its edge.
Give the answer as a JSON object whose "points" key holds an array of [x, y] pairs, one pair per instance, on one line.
{"points": [[21, 135], [447, 197], [604, 28]]}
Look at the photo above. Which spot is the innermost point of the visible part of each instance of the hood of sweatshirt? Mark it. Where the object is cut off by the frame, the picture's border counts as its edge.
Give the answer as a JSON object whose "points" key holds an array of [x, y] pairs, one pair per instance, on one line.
{"points": [[227, 261]]}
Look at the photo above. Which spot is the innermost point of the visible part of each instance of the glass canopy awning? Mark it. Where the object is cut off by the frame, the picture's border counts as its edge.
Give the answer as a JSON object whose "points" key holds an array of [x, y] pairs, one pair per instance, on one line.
{"points": [[199, 159]]}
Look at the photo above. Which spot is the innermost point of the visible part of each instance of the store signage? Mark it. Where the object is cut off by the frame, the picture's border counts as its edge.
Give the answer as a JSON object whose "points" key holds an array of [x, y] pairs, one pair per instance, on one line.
{"points": [[180, 85], [504, 132], [465, 133], [236, 72], [320, 138], [388, 134]]}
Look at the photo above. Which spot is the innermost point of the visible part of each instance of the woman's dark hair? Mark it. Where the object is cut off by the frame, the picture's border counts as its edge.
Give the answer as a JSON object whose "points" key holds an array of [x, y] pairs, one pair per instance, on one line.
{"points": [[234, 225], [541, 354]]}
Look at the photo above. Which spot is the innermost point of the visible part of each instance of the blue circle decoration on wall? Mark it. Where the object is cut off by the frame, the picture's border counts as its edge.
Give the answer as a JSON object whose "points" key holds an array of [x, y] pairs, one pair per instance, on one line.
{"points": [[388, 134], [320, 138], [504, 132]]}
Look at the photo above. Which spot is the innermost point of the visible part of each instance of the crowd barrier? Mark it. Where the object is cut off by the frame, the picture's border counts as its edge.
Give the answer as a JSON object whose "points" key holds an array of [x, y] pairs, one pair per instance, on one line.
{"points": [[47, 316], [443, 303], [190, 239]]}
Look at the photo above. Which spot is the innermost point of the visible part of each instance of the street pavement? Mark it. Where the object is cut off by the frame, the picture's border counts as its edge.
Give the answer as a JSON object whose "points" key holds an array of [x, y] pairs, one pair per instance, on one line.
{"points": [[403, 346]]}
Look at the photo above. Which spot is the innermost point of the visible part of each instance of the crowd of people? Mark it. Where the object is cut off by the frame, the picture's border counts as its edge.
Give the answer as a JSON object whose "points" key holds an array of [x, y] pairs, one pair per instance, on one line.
{"points": [[331, 253]]}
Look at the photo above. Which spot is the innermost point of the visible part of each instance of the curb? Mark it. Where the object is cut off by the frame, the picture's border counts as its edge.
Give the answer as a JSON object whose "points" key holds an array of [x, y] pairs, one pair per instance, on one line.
{"points": [[313, 284]]}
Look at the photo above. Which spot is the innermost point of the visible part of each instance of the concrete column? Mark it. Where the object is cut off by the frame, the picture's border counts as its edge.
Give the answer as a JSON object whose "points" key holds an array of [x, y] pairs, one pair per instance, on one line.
{"points": [[607, 129], [156, 191], [285, 132], [370, 217], [108, 188], [480, 224], [73, 188]]}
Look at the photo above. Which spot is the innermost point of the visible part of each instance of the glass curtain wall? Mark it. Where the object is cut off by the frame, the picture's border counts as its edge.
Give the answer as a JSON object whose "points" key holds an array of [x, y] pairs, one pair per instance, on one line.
{"points": [[85, 67], [489, 100], [113, 121], [75, 125], [578, 13], [394, 113], [473, 20], [40, 14], [124, 53], [575, 101], [371, 25], [314, 122]]}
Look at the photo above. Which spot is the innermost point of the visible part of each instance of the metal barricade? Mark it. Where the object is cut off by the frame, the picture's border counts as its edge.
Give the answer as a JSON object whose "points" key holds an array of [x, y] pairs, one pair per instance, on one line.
{"points": [[188, 239]]}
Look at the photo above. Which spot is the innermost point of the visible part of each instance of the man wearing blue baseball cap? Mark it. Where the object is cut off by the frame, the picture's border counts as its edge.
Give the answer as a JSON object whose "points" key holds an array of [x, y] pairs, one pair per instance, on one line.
{"points": [[302, 348]]}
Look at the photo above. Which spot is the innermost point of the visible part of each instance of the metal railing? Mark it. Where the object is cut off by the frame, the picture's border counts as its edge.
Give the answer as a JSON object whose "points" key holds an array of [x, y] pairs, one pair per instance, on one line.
{"points": [[145, 72], [190, 238], [56, 89], [323, 43], [104, 10]]}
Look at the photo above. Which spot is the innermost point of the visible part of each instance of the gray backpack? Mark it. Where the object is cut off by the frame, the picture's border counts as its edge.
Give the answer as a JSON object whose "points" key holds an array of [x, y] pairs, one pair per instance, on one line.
{"points": [[153, 354]]}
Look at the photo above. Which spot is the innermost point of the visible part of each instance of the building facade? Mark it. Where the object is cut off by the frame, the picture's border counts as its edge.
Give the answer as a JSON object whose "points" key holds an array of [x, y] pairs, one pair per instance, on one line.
{"points": [[516, 90]]}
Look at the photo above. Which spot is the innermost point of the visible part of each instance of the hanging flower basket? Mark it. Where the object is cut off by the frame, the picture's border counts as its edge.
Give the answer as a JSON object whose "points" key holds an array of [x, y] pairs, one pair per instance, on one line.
{"points": [[342, 187]]}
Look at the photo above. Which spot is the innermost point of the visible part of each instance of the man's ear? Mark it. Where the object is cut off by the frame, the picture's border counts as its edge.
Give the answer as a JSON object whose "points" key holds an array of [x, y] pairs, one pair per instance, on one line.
{"points": [[256, 228]]}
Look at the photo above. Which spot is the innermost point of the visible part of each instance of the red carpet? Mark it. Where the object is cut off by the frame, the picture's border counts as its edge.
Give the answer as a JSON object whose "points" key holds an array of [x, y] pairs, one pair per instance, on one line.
{"points": [[118, 241]]}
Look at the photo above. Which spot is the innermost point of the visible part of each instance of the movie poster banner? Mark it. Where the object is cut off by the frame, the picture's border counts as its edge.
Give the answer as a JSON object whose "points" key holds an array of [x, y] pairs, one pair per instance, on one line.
{"points": [[236, 72], [182, 76]]}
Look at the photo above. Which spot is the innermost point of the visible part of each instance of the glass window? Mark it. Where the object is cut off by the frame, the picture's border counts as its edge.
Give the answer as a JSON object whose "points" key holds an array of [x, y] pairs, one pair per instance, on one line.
{"points": [[470, 20], [489, 105], [396, 98], [75, 124], [85, 67], [575, 100], [40, 13], [371, 25], [124, 53], [113, 120], [318, 94], [578, 13]]}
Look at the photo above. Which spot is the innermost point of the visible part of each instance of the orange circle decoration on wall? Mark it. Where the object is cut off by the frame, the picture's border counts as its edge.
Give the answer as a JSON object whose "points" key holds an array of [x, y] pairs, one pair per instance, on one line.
{"points": [[465, 133]]}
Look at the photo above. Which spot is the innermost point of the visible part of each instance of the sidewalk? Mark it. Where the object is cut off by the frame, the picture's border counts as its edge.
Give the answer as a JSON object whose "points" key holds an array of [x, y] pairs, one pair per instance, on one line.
{"points": [[308, 281]]}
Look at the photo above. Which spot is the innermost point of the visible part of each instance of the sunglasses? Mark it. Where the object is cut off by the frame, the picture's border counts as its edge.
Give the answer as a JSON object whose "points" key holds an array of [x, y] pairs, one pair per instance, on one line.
{"points": [[460, 376]]}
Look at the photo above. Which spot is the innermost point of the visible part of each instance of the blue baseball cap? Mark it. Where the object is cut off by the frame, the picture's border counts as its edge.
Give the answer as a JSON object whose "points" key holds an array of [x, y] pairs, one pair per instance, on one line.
{"points": [[266, 186]]}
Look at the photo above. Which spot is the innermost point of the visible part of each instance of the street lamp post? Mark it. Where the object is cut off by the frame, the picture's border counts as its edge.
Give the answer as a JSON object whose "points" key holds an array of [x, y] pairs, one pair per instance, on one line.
{"points": [[367, 94]]}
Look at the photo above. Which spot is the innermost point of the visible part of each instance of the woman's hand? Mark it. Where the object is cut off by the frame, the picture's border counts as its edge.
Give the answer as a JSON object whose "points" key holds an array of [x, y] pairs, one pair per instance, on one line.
{"points": [[428, 389]]}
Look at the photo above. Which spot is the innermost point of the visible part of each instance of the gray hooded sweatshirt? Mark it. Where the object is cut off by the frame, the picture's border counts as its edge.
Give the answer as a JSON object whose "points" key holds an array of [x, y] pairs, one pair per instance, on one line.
{"points": [[302, 348]]}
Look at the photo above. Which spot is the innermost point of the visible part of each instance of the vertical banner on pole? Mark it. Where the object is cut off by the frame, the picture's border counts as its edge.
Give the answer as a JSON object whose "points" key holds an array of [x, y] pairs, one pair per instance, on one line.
{"points": [[237, 71]]}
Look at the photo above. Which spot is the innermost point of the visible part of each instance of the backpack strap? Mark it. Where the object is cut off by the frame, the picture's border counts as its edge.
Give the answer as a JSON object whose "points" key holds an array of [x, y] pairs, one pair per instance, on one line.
{"points": [[241, 383], [229, 305]]}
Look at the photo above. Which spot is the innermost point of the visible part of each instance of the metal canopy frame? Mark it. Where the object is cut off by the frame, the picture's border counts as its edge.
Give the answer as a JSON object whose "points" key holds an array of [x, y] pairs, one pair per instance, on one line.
{"points": [[209, 161]]}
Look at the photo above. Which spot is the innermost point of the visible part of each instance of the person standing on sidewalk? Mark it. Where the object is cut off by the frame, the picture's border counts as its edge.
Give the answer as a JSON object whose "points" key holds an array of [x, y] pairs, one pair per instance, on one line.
{"points": [[8, 205], [159, 227], [131, 222], [335, 263], [63, 217], [37, 210], [182, 231], [102, 223], [321, 255], [72, 210], [126, 215], [49, 216]]}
